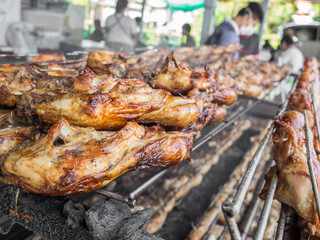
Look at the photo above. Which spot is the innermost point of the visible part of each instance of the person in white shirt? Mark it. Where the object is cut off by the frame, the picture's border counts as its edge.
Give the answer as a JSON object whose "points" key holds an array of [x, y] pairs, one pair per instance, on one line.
{"points": [[290, 55], [121, 30]]}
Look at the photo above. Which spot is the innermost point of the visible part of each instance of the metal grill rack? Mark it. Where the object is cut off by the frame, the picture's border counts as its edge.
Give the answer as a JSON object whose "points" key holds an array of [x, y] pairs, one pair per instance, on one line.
{"points": [[231, 208], [151, 65], [244, 106]]}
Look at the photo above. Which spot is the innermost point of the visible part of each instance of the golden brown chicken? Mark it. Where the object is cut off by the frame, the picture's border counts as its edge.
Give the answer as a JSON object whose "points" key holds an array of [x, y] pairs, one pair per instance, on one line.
{"points": [[174, 77], [294, 185], [11, 137], [107, 63], [180, 79], [71, 159], [48, 57], [112, 110], [222, 96]]}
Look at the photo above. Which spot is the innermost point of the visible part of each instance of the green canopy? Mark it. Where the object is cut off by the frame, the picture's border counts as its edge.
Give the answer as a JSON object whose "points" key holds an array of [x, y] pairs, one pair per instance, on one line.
{"points": [[185, 5]]}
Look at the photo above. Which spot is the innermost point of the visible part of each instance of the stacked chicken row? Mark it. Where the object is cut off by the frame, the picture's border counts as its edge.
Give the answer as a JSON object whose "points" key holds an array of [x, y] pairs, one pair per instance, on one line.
{"points": [[247, 76], [69, 130], [290, 153]]}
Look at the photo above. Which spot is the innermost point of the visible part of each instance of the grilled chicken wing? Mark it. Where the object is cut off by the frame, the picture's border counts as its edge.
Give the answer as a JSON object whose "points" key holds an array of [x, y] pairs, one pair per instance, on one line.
{"points": [[174, 77], [72, 159], [294, 185]]}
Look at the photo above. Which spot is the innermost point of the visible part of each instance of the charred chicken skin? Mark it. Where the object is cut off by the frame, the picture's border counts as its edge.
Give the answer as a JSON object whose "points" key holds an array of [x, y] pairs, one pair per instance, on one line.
{"points": [[71, 159]]}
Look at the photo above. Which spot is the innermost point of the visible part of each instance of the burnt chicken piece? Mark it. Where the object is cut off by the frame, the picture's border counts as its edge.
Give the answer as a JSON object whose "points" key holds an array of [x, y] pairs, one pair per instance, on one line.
{"points": [[70, 160], [294, 186]]}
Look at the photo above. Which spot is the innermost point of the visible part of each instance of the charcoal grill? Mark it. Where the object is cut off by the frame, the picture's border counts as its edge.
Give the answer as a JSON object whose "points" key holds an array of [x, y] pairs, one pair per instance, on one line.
{"points": [[236, 111]]}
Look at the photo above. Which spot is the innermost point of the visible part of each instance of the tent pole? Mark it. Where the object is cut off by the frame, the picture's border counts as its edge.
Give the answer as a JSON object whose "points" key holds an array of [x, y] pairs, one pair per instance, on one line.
{"points": [[208, 19], [265, 9], [142, 14]]}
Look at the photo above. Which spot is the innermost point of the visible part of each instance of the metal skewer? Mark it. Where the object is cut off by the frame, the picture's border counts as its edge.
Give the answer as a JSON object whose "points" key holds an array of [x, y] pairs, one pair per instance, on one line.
{"points": [[281, 222], [310, 164]]}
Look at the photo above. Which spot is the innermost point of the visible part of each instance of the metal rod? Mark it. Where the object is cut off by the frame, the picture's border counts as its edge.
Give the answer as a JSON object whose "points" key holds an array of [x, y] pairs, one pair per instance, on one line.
{"points": [[37, 54], [232, 225], [116, 196], [233, 208], [214, 222], [247, 222], [281, 222], [310, 164], [223, 233], [146, 184], [315, 109], [266, 208]]}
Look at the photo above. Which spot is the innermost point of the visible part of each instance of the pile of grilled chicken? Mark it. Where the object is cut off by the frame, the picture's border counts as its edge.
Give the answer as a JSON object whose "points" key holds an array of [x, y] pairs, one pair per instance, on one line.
{"points": [[247, 76], [66, 130], [294, 186]]}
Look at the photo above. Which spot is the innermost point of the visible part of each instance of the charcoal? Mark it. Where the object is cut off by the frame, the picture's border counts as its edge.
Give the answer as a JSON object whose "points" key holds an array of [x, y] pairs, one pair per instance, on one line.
{"points": [[45, 214], [136, 221], [140, 234], [113, 220], [74, 212], [133, 227], [105, 218]]}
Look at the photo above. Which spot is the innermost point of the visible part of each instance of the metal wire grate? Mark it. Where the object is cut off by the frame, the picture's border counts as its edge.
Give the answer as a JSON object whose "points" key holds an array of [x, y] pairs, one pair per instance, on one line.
{"points": [[231, 208]]}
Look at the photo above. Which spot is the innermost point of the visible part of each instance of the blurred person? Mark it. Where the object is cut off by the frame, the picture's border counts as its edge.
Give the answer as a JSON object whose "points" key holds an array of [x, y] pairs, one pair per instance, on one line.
{"points": [[290, 55], [121, 30], [187, 39], [139, 46], [138, 21], [244, 23], [97, 35], [267, 52], [250, 44]]}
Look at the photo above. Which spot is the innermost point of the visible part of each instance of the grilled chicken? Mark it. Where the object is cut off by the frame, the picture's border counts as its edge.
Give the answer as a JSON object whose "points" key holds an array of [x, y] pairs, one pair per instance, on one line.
{"points": [[179, 79], [294, 185], [174, 77], [89, 82], [129, 100], [71, 159], [223, 96], [107, 63], [11, 137], [48, 57], [112, 111]]}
